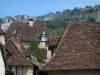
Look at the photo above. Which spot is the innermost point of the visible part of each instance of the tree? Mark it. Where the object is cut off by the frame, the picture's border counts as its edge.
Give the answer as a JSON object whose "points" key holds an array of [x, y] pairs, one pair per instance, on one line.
{"points": [[36, 50], [92, 20], [89, 9]]}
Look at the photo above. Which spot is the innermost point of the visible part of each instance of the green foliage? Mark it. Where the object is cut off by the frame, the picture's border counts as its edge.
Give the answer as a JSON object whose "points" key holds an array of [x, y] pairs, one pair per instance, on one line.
{"points": [[36, 50], [89, 9], [56, 27], [57, 32], [92, 20], [58, 21]]}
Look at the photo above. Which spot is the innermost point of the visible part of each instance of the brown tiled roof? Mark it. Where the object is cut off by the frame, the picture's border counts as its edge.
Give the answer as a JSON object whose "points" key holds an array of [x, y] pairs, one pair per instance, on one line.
{"points": [[78, 49], [53, 41], [26, 52], [26, 32], [16, 58]]}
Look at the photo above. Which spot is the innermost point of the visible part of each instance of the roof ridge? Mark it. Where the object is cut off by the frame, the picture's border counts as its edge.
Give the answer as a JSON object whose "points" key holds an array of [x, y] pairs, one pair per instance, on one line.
{"points": [[62, 38], [76, 51], [24, 55], [19, 50]]}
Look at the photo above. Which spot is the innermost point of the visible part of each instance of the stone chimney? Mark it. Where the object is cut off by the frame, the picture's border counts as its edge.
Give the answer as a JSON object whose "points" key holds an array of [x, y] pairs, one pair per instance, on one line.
{"points": [[31, 22]]}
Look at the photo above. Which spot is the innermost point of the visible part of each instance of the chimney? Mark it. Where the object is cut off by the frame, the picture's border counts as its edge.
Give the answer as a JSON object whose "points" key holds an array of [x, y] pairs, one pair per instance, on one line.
{"points": [[31, 22]]}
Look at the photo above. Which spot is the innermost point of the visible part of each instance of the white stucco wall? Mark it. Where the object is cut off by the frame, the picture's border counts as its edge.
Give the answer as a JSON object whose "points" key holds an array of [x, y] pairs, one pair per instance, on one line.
{"points": [[48, 54], [31, 23], [25, 70], [42, 45], [2, 39], [2, 66]]}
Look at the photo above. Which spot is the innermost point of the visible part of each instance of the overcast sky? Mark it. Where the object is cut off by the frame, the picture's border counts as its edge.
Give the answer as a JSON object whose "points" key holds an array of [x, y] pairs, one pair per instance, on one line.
{"points": [[40, 7]]}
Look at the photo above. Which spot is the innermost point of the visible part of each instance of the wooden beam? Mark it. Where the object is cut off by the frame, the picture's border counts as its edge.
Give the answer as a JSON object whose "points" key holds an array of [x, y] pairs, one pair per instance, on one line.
{"points": [[22, 70], [16, 69]]}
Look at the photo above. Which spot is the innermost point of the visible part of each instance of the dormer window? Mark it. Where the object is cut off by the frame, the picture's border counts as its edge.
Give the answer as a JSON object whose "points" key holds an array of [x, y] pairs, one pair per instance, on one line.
{"points": [[15, 35], [44, 36]]}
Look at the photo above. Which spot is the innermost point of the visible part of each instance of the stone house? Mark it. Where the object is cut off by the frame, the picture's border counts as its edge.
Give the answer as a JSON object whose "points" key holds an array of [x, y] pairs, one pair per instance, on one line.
{"points": [[30, 31], [27, 33], [14, 59], [21, 60], [78, 52], [18, 63], [18, 36]]}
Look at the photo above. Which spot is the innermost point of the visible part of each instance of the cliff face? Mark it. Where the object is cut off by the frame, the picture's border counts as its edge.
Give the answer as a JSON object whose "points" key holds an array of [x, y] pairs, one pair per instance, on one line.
{"points": [[57, 22], [76, 14]]}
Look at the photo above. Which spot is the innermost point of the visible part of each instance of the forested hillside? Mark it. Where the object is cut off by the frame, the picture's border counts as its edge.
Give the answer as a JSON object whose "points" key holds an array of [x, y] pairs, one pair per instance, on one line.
{"points": [[57, 22]]}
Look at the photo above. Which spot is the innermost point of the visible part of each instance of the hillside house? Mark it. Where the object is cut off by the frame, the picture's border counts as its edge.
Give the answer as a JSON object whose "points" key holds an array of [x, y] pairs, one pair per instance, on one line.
{"points": [[18, 36], [78, 52], [21, 60], [18, 63], [16, 60], [29, 32]]}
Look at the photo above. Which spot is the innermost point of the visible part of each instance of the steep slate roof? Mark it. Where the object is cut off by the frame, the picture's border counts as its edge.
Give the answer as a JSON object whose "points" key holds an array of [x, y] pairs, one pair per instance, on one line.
{"points": [[26, 32], [53, 41], [16, 58], [79, 48]]}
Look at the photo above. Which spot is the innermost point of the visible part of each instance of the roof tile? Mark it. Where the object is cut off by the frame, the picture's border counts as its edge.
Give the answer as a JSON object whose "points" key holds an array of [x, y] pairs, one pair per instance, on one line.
{"points": [[78, 49]]}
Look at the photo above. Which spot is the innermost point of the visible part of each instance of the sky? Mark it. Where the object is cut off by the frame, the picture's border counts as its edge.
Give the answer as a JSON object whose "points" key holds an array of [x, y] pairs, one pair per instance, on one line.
{"points": [[40, 7]]}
